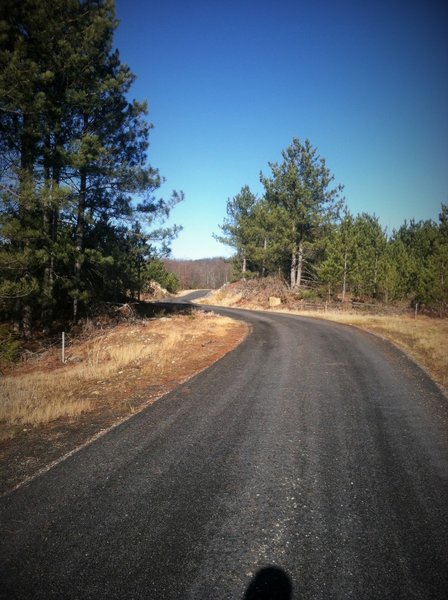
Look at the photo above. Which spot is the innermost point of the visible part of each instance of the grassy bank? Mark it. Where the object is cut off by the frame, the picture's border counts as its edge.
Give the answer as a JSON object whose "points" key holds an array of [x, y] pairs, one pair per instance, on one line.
{"points": [[105, 368]]}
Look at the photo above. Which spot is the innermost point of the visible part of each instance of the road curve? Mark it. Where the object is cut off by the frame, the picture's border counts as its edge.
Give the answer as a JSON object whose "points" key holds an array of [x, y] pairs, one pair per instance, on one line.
{"points": [[195, 295], [313, 447]]}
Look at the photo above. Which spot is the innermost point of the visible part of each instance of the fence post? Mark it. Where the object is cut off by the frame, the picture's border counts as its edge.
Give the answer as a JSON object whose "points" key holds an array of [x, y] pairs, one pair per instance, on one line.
{"points": [[63, 347]]}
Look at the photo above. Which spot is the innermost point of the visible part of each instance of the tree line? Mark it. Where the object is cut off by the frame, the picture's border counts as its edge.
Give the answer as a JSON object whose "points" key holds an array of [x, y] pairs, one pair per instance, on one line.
{"points": [[79, 219], [203, 273], [302, 230]]}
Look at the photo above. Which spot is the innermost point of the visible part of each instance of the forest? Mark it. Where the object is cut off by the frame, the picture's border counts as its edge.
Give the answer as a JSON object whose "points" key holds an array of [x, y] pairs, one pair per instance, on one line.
{"points": [[203, 273], [301, 230], [79, 219]]}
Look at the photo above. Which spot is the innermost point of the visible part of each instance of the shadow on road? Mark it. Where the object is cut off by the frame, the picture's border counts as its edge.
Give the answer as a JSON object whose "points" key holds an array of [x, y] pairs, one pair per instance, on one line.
{"points": [[169, 306], [159, 309], [270, 583]]}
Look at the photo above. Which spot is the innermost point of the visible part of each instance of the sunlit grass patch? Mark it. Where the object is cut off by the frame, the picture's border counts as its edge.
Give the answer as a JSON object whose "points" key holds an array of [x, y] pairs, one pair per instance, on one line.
{"points": [[51, 390]]}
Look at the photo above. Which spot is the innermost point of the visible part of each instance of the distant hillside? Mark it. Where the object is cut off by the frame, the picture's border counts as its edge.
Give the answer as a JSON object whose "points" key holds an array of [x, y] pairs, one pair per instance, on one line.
{"points": [[201, 273]]}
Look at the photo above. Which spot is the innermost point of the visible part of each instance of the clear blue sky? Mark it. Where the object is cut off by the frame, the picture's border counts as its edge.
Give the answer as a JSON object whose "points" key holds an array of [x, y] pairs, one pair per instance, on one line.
{"points": [[230, 83]]}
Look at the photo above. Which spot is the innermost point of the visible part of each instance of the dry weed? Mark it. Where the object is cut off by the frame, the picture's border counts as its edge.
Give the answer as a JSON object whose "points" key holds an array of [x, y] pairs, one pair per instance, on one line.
{"points": [[221, 298], [46, 393]]}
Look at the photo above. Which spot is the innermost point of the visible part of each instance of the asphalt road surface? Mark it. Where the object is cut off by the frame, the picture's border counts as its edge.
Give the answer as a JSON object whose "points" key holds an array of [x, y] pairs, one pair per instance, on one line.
{"points": [[313, 448], [196, 295]]}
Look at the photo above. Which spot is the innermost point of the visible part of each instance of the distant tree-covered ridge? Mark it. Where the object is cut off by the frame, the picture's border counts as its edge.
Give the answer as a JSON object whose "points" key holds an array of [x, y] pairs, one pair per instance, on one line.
{"points": [[78, 217], [302, 231]]}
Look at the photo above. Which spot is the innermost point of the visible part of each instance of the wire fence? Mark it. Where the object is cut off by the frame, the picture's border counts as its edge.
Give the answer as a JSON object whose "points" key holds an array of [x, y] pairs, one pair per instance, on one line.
{"points": [[357, 307]]}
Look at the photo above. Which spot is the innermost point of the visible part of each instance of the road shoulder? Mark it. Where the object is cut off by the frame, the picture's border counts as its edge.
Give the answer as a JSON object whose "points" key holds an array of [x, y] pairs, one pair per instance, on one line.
{"points": [[34, 450]]}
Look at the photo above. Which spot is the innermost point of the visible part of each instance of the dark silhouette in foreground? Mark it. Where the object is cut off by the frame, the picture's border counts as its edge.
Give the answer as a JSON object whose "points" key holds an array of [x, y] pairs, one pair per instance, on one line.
{"points": [[270, 583]]}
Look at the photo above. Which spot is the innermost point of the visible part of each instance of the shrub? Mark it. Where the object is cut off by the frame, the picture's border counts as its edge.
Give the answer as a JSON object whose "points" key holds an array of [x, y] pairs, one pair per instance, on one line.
{"points": [[9, 345]]}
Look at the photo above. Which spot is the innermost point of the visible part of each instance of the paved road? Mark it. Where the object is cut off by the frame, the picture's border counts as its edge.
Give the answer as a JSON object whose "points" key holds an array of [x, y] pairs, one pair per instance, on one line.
{"points": [[196, 295], [313, 447]]}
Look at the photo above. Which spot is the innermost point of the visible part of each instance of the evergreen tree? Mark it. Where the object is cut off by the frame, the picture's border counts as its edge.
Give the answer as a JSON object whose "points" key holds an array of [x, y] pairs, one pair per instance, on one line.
{"points": [[156, 271], [237, 226], [301, 187], [427, 246], [396, 271], [421, 241], [438, 266], [268, 229], [340, 256], [73, 158], [370, 248]]}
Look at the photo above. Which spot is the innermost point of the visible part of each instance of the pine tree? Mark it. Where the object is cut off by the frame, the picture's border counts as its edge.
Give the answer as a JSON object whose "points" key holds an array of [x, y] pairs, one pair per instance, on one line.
{"points": [[267, 228], [396, 271], [438, 266], [427, 246], [73, 157], [237, 225], [300, 186], [370, 247], [421, 241], [340, 256]]}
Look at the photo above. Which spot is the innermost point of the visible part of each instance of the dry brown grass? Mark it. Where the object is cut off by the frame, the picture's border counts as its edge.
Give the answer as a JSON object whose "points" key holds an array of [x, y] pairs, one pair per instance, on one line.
{"points": [[222, 297], [41, 392], [423, 338]]}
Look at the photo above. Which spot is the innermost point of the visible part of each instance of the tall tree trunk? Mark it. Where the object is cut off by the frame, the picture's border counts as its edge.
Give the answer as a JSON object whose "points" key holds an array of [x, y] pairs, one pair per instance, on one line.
{"points": [[293, 279], [344, 281], [80, 229], [79, 241], [375, 278], [263, 262], [27, 150], [50, 228], [47, 309], [244, 266], [299, 264], [27, 320], [139, 278]]}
